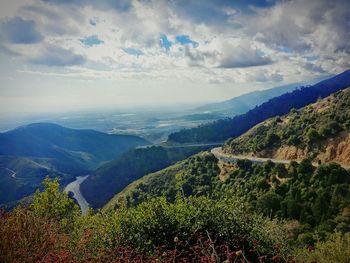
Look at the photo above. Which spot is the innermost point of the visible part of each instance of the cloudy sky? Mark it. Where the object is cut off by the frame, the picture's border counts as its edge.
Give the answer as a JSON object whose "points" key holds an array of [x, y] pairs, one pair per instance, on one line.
{"points": [[73, 54]]}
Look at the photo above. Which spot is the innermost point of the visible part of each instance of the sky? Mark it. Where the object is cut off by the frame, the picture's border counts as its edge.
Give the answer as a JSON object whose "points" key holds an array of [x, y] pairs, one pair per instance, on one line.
{"points": [[59, 55]]}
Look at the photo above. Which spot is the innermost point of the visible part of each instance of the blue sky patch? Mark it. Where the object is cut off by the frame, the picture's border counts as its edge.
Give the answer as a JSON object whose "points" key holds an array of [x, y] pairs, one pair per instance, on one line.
{"points": [[312, 58], [91, 41], [285, 49], [164, 42], [133, 51], [185, 39]]}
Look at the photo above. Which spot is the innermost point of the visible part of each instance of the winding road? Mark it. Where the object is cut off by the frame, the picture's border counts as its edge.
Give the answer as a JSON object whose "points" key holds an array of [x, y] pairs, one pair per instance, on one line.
{"points": [[180, 145], [13, 175], [229, 158], [74, 187]]}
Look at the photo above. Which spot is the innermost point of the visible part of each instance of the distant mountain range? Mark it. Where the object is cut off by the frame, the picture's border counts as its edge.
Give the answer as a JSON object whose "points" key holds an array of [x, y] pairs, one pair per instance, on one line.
{"points": [[224, 129], [29, 153], [245, 102]]}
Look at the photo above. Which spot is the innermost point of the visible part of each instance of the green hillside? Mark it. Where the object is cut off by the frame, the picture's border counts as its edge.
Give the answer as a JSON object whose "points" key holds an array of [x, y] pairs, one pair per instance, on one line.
{"points": [[224, 129], [166, 182], [112, 177], [38, 150], [314, 200], [319, 131], [86, 149], [21, 176]]}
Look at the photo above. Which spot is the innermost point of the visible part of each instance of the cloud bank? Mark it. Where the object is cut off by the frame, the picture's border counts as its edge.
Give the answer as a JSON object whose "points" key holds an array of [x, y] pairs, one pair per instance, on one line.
{"points": [[230, 45]]}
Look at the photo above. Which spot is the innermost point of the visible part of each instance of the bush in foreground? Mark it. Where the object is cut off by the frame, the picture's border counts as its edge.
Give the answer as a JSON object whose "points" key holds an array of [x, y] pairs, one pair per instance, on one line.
{"points": [[193, 229], [336, 249]]}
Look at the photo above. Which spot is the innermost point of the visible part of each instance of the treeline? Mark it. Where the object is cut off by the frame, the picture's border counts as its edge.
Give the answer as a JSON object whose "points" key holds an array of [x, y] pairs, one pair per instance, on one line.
{"points": [[221, 130]]}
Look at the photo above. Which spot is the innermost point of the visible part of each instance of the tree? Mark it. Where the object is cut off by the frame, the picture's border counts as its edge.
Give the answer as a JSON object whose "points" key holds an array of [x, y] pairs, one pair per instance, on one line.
{"points": [[269, 203], [312, 136], [53, 203]]}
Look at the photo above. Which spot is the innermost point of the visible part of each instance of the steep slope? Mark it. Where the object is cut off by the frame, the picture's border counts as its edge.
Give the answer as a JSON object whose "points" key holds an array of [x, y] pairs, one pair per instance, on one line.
{"points": [[21, 176], [314, 200], [320, 131], [112, 177], [202, 168], [86, 149], [30, 153], [245, 102], [232, 127]]}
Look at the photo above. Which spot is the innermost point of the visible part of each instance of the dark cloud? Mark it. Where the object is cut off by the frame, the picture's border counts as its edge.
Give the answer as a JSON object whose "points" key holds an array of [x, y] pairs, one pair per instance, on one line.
{"points": [[92, 22], [250, 60], [57, 56], [227, 55], [276, 77], [314, 67], [303, 26], [19, 31]]}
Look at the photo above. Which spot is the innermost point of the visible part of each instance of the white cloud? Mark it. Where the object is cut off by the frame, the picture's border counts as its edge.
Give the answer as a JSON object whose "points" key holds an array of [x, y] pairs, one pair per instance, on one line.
{"points": [[291, 41]]}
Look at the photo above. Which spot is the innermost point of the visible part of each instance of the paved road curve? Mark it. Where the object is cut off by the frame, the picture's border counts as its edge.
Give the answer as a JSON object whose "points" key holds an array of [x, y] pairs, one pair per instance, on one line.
{"points": [[181, 145], [233, 158], [74, 187], [13, 173], [229, 158]]}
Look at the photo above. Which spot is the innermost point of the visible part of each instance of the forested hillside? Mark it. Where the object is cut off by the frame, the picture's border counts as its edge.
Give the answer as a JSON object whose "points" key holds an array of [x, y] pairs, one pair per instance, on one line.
{"points": [[85, 149], [112, 177], [315, 201], [319, 131], [30, 153], [21, 176], [232, 127]]}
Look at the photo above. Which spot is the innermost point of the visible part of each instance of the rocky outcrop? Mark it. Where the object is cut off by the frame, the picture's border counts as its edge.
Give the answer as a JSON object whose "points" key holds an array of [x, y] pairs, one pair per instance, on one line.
{"points": [[290, 153], [337, 150]]}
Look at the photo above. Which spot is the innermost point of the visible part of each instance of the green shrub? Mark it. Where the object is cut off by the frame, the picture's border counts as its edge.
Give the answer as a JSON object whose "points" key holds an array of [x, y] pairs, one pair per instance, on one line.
{"points": [[334, 250]]}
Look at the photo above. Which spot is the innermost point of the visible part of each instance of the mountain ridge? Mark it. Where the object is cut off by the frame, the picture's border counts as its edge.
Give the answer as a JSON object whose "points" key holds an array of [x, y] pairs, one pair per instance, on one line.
{"points": [[320, 131], [46, 149], [245, 102], [232, 127]]}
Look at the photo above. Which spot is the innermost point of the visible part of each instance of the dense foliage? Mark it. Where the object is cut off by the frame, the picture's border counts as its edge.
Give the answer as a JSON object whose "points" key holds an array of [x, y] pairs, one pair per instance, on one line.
{"points": [[317, 198], [193, 176], [232, 127], [193, 229], [336, 249], [305, 128], [112, 177]]}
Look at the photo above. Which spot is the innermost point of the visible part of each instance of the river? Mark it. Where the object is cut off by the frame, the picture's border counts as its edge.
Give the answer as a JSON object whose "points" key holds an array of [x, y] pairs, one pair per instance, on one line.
{"points": [[74, 187]]}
